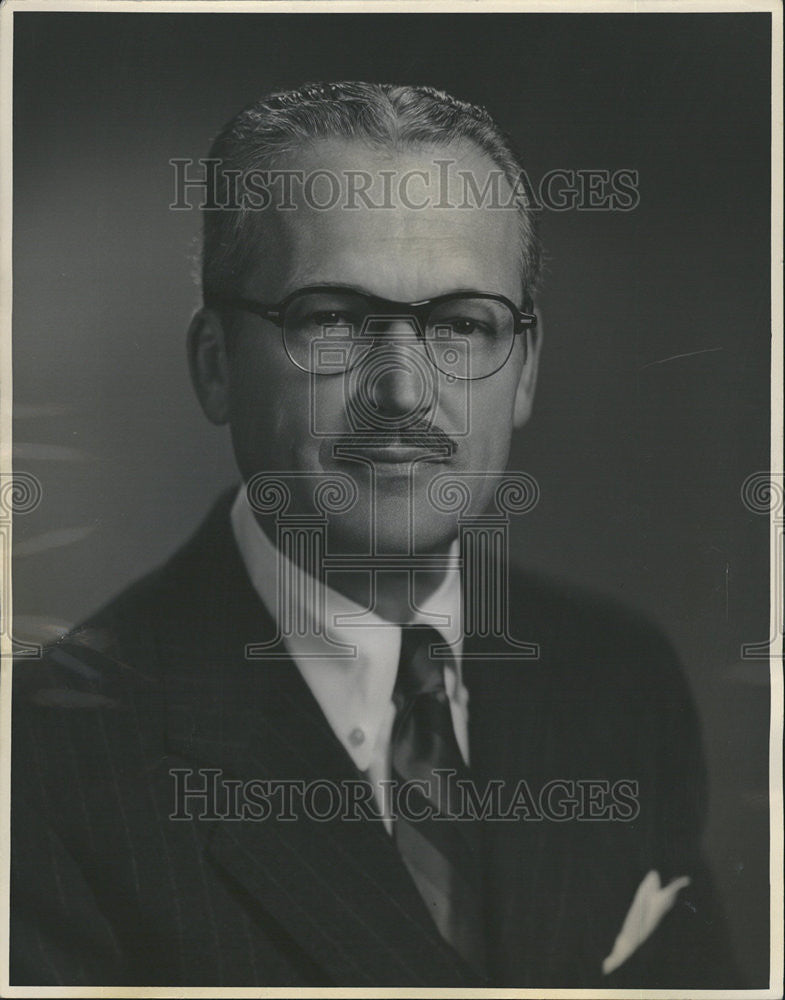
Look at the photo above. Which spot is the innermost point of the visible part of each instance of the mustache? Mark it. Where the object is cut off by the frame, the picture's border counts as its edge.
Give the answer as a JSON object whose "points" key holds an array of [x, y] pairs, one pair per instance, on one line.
{"points": [[427, 437]]}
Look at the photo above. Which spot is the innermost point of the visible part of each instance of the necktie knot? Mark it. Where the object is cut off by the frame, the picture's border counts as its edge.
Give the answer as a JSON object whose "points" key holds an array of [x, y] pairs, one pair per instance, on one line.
{"points": [[418, 672]]}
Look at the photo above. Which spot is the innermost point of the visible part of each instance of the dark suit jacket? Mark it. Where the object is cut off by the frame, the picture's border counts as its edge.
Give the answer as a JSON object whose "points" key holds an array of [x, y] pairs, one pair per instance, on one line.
{"points": [[107, 889]]}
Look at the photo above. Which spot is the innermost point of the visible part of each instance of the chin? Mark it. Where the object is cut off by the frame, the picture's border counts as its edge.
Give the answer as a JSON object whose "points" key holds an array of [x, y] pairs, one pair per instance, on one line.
{"points": [[390, 530]]}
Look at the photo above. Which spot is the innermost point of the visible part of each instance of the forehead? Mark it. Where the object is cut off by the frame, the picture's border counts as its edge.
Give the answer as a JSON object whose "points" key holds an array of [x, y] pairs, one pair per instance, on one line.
{"points": [[405, 224]]}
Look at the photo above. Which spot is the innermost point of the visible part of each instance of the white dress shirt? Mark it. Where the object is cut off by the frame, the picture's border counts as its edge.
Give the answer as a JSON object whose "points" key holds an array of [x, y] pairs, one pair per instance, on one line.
{"points": [[354, 690]]}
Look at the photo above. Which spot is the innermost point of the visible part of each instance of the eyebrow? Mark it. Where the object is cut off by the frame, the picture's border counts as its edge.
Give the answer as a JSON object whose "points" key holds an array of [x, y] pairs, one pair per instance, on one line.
{"points": [[360, 290]]}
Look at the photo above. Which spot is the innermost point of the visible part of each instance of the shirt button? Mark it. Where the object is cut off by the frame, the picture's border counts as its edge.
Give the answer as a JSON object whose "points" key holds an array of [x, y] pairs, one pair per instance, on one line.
{"points": [[357, 737]]}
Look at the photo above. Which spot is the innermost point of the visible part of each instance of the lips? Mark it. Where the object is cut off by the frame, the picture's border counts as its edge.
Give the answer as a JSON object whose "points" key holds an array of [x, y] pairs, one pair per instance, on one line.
{"points": [[394, 455], [396, 447]]}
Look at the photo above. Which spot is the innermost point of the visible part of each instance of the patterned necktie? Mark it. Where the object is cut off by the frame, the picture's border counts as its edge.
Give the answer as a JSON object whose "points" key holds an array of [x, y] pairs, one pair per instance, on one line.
{"points": [[442, 854]]}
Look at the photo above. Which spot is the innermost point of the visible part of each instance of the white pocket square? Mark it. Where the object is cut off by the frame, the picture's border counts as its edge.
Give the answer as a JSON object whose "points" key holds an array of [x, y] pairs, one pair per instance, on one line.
{"points": [[652, 901]]}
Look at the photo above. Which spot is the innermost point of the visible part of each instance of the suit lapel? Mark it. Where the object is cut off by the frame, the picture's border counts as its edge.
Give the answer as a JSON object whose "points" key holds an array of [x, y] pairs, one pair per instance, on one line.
{"points": [[508, 733], [338, 888], [526, 728]]}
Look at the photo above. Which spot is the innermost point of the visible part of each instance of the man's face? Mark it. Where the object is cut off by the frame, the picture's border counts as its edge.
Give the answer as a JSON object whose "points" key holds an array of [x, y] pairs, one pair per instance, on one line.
{"points": [[284, 419]]}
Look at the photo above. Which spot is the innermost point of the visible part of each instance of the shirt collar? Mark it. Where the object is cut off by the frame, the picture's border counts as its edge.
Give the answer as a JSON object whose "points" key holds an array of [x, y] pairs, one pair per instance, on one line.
{"points": [[348, 656]]}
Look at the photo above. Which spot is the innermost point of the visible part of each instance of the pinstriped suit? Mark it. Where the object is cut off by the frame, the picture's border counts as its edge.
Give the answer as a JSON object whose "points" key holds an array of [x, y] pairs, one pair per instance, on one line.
{"points": [[108, 890]]}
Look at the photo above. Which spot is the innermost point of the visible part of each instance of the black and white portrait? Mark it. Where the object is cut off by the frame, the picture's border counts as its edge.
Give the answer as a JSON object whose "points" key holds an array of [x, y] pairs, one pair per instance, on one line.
{"points": [[395, 487]]}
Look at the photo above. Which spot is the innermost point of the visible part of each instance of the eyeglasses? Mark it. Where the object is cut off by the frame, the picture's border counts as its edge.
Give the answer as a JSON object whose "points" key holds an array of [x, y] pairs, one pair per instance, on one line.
{"points": [[329, 329]]}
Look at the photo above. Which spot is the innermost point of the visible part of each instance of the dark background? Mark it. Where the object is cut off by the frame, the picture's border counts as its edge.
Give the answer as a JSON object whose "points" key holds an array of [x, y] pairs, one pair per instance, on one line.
{"points": [[640, 459]]}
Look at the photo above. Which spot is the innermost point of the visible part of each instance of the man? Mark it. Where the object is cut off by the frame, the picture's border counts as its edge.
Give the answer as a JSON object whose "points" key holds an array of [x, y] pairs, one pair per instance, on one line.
{"points": [[342, 626]]}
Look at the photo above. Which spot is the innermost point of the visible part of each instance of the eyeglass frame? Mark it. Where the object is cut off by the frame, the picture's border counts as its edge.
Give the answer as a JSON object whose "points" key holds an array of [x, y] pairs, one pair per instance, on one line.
{"points": [[523, 319]]}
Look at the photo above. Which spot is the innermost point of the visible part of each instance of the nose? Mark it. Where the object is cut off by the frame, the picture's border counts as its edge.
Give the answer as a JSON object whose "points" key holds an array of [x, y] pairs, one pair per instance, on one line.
{"points": [[396, 384], [396, 380]]}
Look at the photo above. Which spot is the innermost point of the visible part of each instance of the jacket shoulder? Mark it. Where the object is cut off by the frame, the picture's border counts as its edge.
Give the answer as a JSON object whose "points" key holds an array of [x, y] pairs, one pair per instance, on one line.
{"points": [[123, 645], [595, 640]]}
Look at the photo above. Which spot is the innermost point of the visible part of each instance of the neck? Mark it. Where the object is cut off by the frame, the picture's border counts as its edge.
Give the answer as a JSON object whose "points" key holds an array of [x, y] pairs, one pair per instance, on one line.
{"points": [[393, 594]]}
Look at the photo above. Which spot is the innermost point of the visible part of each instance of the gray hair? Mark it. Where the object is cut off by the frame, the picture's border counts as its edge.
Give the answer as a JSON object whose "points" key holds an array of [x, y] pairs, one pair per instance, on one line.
{"points": [[377, 113]]}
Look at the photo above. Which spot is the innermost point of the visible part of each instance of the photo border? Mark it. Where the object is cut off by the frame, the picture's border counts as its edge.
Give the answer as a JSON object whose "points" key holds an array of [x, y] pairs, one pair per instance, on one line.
{"points": [[304, 7]]}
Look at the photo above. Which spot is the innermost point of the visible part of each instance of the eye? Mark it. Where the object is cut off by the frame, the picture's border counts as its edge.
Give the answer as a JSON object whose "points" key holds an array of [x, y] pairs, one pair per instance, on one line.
{"points": [[469, 327], [331, 317]]}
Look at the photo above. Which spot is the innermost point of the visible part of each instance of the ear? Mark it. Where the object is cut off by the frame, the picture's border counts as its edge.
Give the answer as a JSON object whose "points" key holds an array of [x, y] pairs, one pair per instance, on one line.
{"points": [[209, 364], [524, 396]]}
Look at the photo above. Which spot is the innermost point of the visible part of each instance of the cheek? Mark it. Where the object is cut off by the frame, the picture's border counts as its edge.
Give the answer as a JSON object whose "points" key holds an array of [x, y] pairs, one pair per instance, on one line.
{"points": [[490, 419], [278, 419], [263, 413]]}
